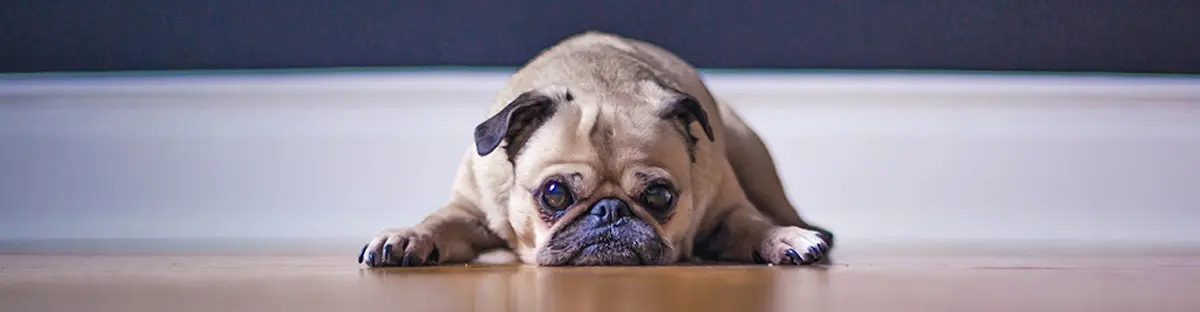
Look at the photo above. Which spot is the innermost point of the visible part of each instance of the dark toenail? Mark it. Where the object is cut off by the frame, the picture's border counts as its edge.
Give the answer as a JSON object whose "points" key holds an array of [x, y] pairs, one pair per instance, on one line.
{"points": [[371, 258], [410, 260], [794, 255], [361, 252], [433, 257], [387, 251]]}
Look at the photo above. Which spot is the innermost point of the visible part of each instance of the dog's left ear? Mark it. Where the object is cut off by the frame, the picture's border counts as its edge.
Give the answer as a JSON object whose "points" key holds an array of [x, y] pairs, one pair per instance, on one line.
{"points": [[514, 123], [687, 110]]}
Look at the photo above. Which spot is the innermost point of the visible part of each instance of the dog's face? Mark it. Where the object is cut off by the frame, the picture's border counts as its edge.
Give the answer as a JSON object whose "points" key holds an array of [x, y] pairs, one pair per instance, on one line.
{"points": [[600, 177]]}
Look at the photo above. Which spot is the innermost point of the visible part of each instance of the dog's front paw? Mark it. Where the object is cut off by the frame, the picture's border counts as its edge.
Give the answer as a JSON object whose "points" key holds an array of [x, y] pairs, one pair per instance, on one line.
{"points": [[400, 247], [791, 245]]}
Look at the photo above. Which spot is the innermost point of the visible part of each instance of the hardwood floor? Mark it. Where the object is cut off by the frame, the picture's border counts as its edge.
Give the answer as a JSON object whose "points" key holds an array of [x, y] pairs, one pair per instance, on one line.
{"points": [[863, 279]]}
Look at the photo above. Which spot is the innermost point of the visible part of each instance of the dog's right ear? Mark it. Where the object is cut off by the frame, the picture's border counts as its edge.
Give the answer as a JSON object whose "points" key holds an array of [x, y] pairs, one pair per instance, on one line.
{"points": [[514, 123]]}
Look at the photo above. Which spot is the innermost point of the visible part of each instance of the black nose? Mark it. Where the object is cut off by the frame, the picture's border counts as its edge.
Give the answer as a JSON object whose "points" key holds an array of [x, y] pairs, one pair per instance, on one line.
{"points": [[610, 209]]}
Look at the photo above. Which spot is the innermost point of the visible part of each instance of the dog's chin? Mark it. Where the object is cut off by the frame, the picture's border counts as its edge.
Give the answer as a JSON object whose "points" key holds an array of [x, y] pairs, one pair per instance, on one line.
{"points": [[630, 242], [606, 254]]}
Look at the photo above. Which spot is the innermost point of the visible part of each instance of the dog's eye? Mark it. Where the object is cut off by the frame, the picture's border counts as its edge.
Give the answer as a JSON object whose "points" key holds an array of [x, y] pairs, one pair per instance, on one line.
{"points": [[658, 197], [555, 195]]}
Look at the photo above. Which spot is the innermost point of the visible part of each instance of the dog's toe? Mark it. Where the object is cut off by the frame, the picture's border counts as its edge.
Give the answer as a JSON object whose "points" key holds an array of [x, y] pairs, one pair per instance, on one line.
{"points": [[793, 246], [793, 257], [399, 248]]}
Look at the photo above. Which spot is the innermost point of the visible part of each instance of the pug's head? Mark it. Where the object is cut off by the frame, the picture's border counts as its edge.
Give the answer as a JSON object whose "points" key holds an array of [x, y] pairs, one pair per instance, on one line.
{"points": [[601, 175]]}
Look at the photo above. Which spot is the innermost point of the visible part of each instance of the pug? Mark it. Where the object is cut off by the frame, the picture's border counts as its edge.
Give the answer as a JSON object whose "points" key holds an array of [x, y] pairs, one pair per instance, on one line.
{"points": [[605, 150]]}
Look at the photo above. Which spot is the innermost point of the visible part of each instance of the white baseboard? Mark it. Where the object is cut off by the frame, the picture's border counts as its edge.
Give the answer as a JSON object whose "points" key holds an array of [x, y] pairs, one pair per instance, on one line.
{"points": [[887, 156]]}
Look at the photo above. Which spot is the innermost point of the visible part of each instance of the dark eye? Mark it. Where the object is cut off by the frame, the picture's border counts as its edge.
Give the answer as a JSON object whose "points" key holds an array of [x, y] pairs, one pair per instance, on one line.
{"points": [[556, 196], [658, 197]]}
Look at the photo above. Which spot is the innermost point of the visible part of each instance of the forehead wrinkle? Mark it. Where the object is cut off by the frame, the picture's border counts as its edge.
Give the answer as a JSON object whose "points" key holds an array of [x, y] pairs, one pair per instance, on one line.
{"points": [[593, 137], [588, 116], [603, 139], [616, 127]]}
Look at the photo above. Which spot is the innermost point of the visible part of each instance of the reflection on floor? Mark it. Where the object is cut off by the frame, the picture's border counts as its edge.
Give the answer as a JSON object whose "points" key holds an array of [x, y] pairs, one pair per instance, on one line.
{"points": [[865, 279]]}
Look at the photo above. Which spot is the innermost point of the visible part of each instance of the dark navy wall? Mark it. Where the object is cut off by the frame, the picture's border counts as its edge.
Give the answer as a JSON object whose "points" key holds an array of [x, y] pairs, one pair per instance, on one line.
{"points": [[1077, 35]]}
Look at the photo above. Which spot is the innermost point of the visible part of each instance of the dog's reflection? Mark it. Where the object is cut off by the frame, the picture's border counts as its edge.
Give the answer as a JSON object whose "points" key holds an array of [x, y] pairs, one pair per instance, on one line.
{"points": [[528, 288]]}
